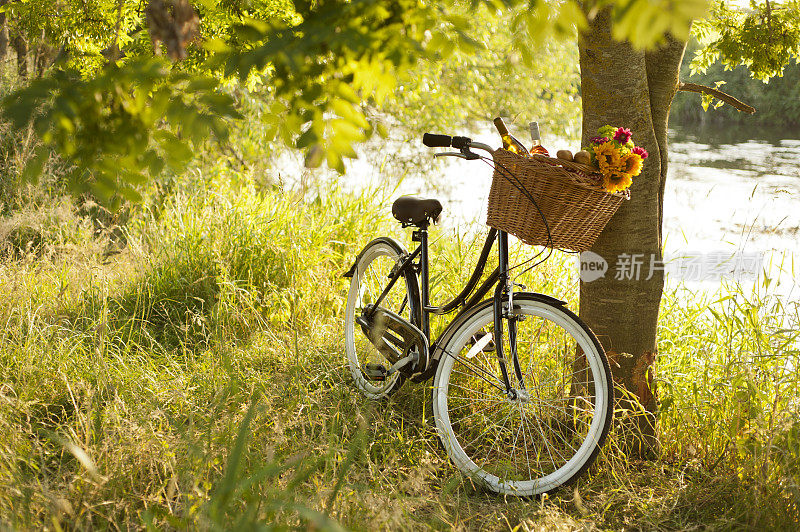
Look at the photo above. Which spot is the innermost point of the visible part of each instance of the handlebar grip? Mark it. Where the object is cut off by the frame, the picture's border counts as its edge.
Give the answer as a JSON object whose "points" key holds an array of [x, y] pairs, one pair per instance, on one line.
{"points": [[461, 142], [432, 140]]}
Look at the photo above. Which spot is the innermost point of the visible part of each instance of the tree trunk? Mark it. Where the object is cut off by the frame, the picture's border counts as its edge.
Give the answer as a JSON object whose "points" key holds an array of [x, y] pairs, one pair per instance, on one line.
{"points": [[44, 55], [3, 34], [621, 86], [21, 47]]}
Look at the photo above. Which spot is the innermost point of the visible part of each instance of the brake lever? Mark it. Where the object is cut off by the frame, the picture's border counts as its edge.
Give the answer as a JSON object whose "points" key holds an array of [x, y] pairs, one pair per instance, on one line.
{"points": [[463, 154], [468, 155]]}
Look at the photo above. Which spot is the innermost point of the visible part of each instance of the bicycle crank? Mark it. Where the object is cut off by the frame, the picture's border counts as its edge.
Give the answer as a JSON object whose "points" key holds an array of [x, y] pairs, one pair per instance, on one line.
{"points": [[400, 341]]}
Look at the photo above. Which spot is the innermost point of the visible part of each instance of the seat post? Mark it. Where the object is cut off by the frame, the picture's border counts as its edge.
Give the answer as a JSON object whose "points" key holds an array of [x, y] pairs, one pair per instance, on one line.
{"points": [[421, 235]]}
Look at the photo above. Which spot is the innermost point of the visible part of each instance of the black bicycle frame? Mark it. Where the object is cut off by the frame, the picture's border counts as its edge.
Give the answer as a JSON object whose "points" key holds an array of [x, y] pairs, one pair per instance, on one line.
{"points": [[498, 278]]}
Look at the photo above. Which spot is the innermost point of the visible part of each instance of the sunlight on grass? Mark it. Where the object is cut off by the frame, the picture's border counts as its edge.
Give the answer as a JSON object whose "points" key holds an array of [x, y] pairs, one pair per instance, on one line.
{"points": [[196, 378]]}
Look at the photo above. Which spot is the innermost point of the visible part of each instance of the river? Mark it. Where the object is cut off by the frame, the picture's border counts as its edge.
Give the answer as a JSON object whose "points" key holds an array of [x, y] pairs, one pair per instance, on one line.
{"points": [[729, 190]]}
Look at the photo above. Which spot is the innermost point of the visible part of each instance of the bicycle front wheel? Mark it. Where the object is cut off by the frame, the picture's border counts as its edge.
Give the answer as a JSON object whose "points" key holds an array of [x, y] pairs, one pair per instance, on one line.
{"points": [[550, 429]]}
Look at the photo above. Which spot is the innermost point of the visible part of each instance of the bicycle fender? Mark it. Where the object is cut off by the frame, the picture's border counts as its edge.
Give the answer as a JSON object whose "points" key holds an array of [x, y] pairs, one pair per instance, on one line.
{"points": [[444, 338], [385, 239]]}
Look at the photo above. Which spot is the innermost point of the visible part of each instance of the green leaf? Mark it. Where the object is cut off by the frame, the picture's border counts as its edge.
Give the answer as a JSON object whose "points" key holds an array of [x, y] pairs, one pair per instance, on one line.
{"points": [[19, 111], [153, 161], [202, 84], [64, 122], [251, 31], [103, 187], [307, 138], [346, 92], [177, 153], [467, 44], [439, 42], [159, 102], [130, 172], [349, 113], [218, 103], [225, 488], [216, 45], [314, 156], [335, 160], [130, 194], [270, 132], [220, 128], [346, 130], [343, 147]]}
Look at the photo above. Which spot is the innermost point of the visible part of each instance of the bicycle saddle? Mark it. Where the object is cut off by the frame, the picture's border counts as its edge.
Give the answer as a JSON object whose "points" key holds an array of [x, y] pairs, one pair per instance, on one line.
{"points": [[411, 210]]}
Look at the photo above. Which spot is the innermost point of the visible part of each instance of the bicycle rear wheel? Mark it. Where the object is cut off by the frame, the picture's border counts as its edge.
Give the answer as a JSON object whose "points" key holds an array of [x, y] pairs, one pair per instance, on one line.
{"points": [[371, 275], [552, 430]]}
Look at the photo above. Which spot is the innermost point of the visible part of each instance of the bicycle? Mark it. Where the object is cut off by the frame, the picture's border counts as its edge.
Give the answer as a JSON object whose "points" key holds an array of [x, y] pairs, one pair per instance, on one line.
{"points": [[522, 391]]}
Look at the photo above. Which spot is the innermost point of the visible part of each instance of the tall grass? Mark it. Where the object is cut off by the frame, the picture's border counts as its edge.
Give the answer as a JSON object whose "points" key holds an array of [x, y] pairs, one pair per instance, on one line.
{"points": [[197, 380], [730, 385]]}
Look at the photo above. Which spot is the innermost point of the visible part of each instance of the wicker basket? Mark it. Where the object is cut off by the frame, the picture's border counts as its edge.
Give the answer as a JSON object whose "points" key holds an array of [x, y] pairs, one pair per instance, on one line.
{"points": [[569, 195]]}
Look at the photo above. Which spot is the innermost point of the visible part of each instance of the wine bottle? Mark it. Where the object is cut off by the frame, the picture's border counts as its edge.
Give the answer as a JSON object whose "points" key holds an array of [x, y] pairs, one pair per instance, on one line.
{"points": [[509, 142], [537, 147]]}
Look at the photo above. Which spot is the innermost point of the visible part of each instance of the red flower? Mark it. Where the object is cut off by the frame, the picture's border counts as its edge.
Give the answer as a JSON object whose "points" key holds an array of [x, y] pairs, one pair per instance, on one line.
{"points": [[622, 135], [641, 152]]}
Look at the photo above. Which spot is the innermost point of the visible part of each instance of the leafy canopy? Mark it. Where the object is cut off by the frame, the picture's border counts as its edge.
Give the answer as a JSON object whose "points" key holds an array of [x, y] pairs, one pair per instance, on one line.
{"points": [[325, 65], [764, 37], [108, 126]]}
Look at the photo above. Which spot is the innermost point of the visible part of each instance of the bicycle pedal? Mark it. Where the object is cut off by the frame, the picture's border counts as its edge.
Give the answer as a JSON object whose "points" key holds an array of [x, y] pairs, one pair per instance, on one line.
{"points": [[374, 372]]}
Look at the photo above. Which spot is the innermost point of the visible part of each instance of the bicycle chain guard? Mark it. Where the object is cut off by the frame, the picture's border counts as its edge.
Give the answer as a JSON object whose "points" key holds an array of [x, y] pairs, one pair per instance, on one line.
{"points": [[395, 338]]}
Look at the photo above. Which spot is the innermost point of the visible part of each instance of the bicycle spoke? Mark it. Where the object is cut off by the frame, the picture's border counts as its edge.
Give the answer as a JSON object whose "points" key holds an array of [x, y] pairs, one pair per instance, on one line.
{"points": [[573, 449], [467, 405], [490, 397], [524, 426], [514, 448], [478, 412], [461, 359], [481, 377], [493, 444], [370, 273]]}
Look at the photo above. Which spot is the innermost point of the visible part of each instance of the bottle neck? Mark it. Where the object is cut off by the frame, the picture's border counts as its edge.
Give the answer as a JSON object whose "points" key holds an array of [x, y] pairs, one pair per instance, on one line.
{"points": [[501, 126], [534, 128]]}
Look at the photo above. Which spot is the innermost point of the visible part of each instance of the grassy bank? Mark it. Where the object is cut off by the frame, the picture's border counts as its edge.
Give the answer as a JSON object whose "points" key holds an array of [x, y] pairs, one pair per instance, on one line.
{"points": [[195, 377]]}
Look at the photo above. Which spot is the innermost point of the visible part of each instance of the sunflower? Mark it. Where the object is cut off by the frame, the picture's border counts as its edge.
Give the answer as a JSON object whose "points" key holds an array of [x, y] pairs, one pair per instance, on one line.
{"points": [[631, 164], [608, 159], [616, 182]]}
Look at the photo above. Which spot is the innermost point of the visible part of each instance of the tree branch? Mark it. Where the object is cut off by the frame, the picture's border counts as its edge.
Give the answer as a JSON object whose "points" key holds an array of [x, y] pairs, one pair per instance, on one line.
{"points": [[727, 98]]}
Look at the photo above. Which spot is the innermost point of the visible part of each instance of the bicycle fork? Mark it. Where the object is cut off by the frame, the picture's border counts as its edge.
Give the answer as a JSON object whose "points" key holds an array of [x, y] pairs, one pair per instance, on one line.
{"points": [[506, 288]]}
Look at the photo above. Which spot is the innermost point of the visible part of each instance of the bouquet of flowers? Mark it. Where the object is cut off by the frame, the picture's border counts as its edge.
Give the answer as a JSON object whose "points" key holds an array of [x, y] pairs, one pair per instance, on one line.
{"points": [[614, 153]]}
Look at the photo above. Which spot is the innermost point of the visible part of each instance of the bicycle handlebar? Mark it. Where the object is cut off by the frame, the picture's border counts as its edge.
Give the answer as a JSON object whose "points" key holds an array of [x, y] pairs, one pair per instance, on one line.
{"points": [[433, 140]]}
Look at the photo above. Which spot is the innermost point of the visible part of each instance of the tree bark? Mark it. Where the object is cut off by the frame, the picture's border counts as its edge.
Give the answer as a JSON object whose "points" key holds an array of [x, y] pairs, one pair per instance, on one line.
{"points": [[21, 47], [44, 55], [716, 93], [663, 72], [3, 33], [621, 86]]}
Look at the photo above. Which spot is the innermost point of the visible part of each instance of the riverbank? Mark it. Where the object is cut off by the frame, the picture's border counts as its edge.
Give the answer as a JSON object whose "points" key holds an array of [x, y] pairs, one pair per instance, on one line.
{"points": [[195, 379]]}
